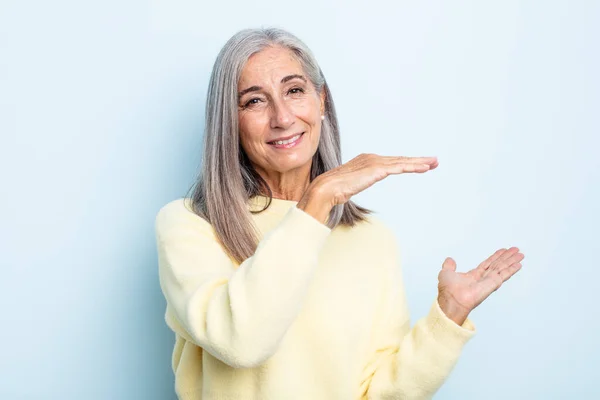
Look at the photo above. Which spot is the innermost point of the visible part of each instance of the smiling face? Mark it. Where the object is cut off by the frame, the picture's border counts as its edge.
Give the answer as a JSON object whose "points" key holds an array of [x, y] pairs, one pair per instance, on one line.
{"points": [[277, 102]]}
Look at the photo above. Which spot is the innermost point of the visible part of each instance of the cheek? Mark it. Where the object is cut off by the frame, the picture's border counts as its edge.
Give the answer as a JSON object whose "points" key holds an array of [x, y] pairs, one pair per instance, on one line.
{"points": [[251, 135], [309, 112], [248, 128], [314, 115]]}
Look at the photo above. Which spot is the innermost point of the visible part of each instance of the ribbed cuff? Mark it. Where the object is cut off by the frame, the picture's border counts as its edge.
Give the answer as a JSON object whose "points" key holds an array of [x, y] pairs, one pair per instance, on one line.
{"points": [[447, 332], [307, 222]]}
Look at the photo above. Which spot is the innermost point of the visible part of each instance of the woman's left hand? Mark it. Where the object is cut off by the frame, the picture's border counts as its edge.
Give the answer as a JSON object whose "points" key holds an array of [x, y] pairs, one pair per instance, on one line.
{"points": [[460, 292]]}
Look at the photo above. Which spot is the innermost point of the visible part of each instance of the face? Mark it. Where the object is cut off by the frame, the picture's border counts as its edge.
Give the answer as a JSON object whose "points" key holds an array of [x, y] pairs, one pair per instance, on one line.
{"points": [[277, 102]]}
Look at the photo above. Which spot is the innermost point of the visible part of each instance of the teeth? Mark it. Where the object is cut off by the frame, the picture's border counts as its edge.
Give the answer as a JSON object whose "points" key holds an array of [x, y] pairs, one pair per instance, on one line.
{"points": [[287, 141]]}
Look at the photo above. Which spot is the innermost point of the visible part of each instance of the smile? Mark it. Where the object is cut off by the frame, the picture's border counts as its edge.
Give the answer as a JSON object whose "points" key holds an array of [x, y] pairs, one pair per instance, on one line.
{"points": [[289, 143]]}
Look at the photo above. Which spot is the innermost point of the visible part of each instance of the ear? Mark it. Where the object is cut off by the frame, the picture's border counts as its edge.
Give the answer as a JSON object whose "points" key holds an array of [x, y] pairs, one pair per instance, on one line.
{"points": [[323, 97]]}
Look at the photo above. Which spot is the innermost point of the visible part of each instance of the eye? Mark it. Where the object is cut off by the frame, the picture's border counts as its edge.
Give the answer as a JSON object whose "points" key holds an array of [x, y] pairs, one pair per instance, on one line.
{"points": [[296, 90], [252, 101]]}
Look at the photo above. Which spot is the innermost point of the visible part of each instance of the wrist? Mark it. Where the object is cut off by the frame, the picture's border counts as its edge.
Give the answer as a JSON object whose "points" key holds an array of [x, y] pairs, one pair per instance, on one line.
{"points": [[453, 311], [316, 203]]}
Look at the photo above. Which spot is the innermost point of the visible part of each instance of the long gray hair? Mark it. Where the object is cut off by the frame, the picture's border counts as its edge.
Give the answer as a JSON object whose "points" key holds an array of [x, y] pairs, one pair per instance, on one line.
{"points": [[227, 179]]}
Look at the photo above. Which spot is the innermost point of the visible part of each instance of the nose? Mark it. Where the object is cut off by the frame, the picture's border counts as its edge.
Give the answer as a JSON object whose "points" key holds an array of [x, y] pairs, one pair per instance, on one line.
{"points": [[281, 115]]}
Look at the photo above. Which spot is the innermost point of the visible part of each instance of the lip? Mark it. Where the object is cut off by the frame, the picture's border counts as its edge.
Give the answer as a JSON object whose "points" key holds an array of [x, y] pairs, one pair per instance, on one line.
{"points": [[289, 145], [285, 137]]}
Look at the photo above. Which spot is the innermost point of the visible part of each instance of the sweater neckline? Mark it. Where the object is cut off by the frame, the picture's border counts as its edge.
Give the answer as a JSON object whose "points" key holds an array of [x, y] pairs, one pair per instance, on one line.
{"points": [[259, 202]]}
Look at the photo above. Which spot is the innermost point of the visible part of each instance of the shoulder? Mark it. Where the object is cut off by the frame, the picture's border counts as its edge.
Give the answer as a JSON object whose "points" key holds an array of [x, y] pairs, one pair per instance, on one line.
{"points": [[182, 235], [176, 206], [175, 209], [179, 215]]}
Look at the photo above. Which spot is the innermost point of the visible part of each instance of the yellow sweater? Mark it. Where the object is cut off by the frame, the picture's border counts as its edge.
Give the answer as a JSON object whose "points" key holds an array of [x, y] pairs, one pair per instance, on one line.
{"points": [[314, 314]]}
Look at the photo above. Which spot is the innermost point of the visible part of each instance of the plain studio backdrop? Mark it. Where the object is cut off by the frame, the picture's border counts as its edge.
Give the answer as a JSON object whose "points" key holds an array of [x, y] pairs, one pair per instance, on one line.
{"points": [[101, 118]]}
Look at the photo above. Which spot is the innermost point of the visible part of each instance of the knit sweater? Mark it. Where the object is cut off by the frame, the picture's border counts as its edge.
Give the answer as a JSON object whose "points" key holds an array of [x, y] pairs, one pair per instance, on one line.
{"points": [[315, 313]]}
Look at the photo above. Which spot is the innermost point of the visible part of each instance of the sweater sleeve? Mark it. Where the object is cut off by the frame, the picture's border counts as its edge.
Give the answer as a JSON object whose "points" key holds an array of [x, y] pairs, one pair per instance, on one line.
{"points": [[239, 315], [410, 363]]}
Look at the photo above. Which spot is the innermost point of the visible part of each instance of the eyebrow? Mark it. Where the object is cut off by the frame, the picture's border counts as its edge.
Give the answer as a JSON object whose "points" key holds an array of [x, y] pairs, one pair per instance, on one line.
{"points": [[294, 76], [283, 80]]}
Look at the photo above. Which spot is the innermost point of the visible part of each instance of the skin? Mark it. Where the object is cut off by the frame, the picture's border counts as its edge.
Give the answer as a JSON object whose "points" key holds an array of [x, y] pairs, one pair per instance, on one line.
{"points": [[280, 108], [278, 100], [460, 292]]}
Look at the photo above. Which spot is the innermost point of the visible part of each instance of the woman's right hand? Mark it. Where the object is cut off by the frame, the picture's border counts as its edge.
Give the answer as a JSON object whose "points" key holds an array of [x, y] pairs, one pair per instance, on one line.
{"points": [[339, 184]]}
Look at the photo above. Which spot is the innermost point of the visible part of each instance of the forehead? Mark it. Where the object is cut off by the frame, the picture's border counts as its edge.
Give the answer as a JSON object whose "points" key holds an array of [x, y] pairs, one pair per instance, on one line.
{"points": [[269, 66]]}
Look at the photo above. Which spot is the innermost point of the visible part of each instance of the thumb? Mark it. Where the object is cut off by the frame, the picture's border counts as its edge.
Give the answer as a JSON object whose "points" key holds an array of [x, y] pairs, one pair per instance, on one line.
{"points": [[449, 264]]}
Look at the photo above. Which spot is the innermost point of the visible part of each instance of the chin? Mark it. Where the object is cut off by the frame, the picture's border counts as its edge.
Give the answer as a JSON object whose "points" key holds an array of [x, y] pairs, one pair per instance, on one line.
{"points": [[289, 165]]}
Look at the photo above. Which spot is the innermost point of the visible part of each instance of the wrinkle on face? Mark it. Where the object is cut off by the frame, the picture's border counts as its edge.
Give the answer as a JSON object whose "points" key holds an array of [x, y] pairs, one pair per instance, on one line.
{"points": [[276, 102]]}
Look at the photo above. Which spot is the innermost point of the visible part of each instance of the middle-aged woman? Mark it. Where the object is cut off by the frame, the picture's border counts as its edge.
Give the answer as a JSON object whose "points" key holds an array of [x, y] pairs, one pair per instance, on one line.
{"points": [[277, 285]]}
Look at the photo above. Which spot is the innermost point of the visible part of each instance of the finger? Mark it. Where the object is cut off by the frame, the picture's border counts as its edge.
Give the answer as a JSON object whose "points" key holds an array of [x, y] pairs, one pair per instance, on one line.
{"points": [[449, 264], [507, 272], [491, 264], [404, 159], [404, 168], [433, 165], [417, 160], [509, 257], [413, 164], [486, 263], [516, 259], [500, 266], [508, 254]]}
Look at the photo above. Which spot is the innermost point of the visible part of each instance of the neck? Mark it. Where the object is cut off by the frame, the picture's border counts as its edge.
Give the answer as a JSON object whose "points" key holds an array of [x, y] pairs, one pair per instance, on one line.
{"points": [[289, 185]]}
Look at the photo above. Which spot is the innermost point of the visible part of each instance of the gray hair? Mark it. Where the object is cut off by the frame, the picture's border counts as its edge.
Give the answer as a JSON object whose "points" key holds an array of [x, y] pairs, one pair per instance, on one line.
{"points": [[227, 179]]}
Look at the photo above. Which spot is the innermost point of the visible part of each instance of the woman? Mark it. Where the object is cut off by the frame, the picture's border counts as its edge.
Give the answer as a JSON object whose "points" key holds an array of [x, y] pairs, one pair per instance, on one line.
{"points": [[277, 285]]}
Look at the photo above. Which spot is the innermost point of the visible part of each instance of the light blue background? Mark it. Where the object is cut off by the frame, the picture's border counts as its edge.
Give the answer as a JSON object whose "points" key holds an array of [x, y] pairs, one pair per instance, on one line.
{"points": [[101, 115]]}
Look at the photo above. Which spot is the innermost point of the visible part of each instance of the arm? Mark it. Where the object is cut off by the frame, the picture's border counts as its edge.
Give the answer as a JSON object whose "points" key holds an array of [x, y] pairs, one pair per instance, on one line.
{"points": [[411, 363], [237, 315]]}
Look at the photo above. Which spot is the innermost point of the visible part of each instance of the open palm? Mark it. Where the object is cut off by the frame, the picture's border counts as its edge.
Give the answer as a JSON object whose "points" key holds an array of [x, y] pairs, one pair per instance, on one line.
{"points": [[460, 292]]}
